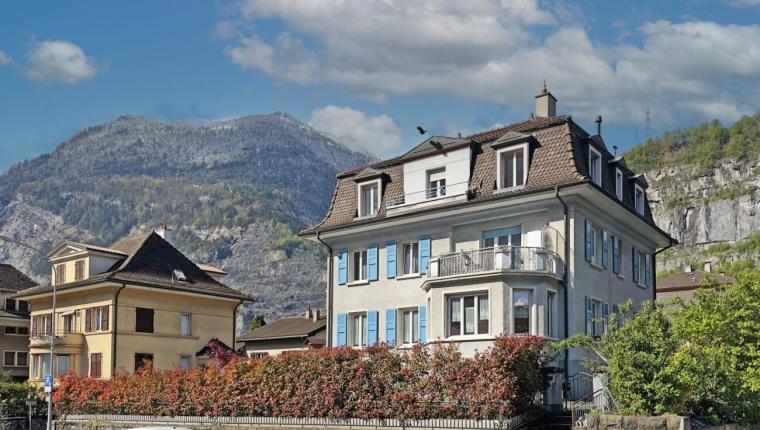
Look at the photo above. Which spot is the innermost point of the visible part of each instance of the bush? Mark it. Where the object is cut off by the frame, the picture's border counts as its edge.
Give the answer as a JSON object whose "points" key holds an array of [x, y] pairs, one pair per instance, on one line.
{"points": [[376, 382], [13, 396]]}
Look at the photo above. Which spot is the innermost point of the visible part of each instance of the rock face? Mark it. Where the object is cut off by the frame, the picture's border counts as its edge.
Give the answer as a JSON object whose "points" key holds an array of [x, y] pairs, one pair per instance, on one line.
{"points": [[234, 191], [704, 209]]}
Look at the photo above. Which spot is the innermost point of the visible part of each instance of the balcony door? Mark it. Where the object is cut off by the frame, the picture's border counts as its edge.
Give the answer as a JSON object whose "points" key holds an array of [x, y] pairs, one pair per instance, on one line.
{"points": [[505, 237]]}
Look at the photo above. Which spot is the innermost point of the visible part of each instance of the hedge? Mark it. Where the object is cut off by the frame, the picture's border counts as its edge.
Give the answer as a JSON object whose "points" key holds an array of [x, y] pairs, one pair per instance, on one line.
{"points": [[376, 382]]}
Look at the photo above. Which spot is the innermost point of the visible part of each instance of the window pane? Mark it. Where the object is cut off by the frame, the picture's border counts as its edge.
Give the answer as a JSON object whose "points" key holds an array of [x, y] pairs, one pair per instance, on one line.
{"points": [[415, 326], [184, 362], [508, 168], [550, 314], [9, 358], [521, 311], [369, 197], [185, 323], [483, 314], [415, 260], [405, 334], [357, 330], [469, 315], [519, 173], [62, 363], [407, 258], [22, 358], [455, 324], [357, 266], [364, 265]]}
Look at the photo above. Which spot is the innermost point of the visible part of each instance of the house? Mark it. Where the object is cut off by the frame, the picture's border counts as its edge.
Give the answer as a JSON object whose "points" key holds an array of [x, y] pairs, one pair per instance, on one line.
{"points": [[533, 228], [138, 301], [286, 334], [684, 284], [14, 323]]}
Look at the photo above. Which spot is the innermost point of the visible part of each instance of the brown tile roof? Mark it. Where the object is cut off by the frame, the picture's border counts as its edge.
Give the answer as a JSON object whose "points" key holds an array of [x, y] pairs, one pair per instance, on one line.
{"points": [[13, 280], [286, 328], [691, 280], [151, 261], [558, 157]]}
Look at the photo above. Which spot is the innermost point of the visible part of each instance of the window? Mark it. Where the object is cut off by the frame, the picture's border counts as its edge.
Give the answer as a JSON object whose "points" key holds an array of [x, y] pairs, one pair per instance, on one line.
{"points": [[179, 275], [143, 320], [638, 199], [592, 242], [617, 254], [40, 365], [185, 323], [619, 184], [359, 329], [96, 319], [184, 362], [96, 365], [410, 257], [410, 324], [521, 311], [79, 270], [595, 165], [16, 331], [642, 268], [551, 314], [605, 249], [15, 358], [502, 237], [359, 266], [41, 325], [513, 166], [598, 322], [10, 304], [259, 354], [143, 360], [22, 306], [468, 315], [60, 274], [436, 180], [68, 322], [648, 270], [369, 199], [62, 365]]}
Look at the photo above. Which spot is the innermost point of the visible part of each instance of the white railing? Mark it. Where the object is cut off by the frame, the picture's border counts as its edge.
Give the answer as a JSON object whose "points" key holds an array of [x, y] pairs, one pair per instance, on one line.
{"points": [[431, 194], [500, 258], [600, 401]]}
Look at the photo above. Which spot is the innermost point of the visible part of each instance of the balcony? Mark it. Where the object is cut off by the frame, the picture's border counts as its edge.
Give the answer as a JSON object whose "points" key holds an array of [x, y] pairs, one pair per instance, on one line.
{"points": [[504, 259], [63, 338], [430, 196]]}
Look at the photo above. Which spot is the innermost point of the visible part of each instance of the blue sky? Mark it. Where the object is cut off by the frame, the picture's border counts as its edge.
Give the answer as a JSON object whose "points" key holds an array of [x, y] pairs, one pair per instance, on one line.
{"points": [[369, 72]]}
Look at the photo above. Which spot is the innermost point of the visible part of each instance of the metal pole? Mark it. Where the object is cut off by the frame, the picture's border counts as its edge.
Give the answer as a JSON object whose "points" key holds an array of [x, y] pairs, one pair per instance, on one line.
{"points": [[30, 415], [52, 362]]}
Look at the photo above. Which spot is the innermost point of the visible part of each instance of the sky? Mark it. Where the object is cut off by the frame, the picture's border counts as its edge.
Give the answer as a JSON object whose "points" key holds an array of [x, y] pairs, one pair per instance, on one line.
{"points": [[369, 72]]}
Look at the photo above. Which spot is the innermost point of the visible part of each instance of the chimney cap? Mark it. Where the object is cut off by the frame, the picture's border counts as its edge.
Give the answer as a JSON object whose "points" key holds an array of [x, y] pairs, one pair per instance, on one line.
{"points": [[545, 92]]}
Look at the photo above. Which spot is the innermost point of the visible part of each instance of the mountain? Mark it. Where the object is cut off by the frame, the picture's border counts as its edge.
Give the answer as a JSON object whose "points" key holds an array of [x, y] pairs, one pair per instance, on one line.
{"points": [[235, 191], [705, 191]]}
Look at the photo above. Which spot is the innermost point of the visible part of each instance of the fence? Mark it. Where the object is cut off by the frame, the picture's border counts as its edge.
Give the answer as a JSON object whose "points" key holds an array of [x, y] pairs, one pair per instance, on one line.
{"points": [[17, 408], [599, 401]]}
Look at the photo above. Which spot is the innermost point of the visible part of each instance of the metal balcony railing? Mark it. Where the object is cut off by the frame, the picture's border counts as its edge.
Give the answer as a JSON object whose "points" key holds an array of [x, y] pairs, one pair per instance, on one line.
{"points": [[432, 193], [499, 258]]}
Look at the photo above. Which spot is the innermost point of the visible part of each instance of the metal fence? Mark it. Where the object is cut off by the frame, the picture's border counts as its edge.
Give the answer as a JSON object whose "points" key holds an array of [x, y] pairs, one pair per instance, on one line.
{"points": [[17, 408], [507, 258]]}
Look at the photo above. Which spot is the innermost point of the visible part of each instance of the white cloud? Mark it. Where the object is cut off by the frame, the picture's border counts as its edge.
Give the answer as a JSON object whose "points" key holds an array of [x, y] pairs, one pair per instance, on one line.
{"points": [[4, 59], [492, 51], [374, 134], [60, 61]]}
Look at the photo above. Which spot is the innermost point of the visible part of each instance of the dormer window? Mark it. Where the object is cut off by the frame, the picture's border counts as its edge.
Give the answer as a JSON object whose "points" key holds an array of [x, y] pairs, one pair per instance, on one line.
{"points": [[436, 181], [369, 198], [180, 275], [512, 167], [638, 199], [619, 184], [595, 165]]}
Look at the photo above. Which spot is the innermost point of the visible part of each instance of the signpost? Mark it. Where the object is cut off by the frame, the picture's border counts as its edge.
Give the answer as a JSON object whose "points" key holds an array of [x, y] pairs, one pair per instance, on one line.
{"points": [[31, 403]]}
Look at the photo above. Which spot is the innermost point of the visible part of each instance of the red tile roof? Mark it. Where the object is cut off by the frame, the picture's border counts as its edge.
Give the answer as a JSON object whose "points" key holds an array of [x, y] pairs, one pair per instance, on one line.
{"points": [[691, 280]]}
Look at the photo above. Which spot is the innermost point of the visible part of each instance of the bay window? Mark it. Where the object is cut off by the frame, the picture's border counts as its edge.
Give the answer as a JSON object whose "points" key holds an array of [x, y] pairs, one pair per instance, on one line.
{"points": [[521, 303], [468, 315]]}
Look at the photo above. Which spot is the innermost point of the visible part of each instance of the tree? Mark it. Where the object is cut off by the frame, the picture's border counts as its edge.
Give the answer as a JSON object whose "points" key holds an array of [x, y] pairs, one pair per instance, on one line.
{"points": [[258, 321]]}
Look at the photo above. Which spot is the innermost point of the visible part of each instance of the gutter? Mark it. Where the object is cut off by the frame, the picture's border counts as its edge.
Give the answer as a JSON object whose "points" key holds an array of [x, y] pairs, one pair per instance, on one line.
{"points": [[654, 266], [329, 290], [115, 324], [566, 274]]}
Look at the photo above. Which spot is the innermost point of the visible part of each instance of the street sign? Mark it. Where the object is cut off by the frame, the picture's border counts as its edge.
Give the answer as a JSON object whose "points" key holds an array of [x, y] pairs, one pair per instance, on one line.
{"points": [[31, 403], [48, 383]]}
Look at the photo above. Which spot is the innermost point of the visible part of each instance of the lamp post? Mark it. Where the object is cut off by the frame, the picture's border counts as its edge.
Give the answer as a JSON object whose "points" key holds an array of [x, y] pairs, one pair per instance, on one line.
{"points": [[4, 238]]}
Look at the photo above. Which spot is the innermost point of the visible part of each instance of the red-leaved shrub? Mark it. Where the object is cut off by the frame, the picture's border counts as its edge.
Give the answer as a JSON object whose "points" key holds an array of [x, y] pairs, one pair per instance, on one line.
{"points": [[376, 382]]}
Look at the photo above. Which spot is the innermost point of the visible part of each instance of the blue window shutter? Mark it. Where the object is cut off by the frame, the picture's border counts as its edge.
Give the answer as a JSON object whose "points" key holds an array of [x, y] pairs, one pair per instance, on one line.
{"points": [[606, 316], [589, 316], [589, 241], [648, 270], [424, 253], [605, 249], [342, 266], [341, 329], [390, 326], [423, 323], [372, 262], [390, 252], [371, 327]]}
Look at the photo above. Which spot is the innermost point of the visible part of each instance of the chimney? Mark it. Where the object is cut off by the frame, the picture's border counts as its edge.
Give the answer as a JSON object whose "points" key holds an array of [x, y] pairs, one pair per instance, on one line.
{"points": [[308, 314], [708, 267], [165, 232], [316, 315], [687, 268], [546, 104]]}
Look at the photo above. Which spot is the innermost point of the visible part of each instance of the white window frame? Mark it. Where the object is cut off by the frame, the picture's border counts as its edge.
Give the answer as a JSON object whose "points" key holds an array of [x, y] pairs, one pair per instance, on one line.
{"points": [[402, 261], [363, 326], [499, 176], [359, 186], [619, 184], [639, 203], [404, 323], [596, 173], [440, 188], [97, 315], [476, 295], [550, 323], [364, 256], [15, 358], [531, 302], [189, 317]]}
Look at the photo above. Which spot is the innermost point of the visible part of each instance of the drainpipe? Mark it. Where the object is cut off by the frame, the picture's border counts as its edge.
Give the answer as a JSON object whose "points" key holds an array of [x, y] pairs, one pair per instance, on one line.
{"points": [[115, 327], [329, 291], [565, 276], [654, 268]]}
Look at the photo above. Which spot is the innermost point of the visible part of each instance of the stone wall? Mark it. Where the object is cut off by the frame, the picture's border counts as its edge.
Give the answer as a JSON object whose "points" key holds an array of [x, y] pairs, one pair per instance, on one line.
{"points": [[632, 422], [23, 424]]}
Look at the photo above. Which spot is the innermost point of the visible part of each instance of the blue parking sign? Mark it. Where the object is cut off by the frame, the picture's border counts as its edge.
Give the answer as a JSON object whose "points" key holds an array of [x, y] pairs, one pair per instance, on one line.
{"points": [[48, 383]]}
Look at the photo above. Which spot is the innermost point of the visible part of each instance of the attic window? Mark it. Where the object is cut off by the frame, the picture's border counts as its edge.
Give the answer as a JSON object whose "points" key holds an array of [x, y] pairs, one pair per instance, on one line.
{"points": [[595, 165], [369, 198], [512, 166], [638, 199], [619, 184], [180, 275]]}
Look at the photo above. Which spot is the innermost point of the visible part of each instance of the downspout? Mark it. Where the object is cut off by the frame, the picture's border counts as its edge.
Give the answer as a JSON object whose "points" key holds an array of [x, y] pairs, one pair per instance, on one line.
{"points": [[115, 327], [654, 268], [565, 276], [329, 291]]}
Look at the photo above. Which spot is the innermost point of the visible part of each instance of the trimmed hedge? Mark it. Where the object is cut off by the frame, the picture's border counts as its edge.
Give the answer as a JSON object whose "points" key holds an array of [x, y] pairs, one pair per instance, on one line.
{"points": [[376, 382]]}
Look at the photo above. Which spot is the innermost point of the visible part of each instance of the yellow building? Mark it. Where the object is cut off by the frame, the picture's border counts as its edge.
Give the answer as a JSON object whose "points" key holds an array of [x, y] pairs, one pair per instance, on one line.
{"points": [[118, 307]]}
